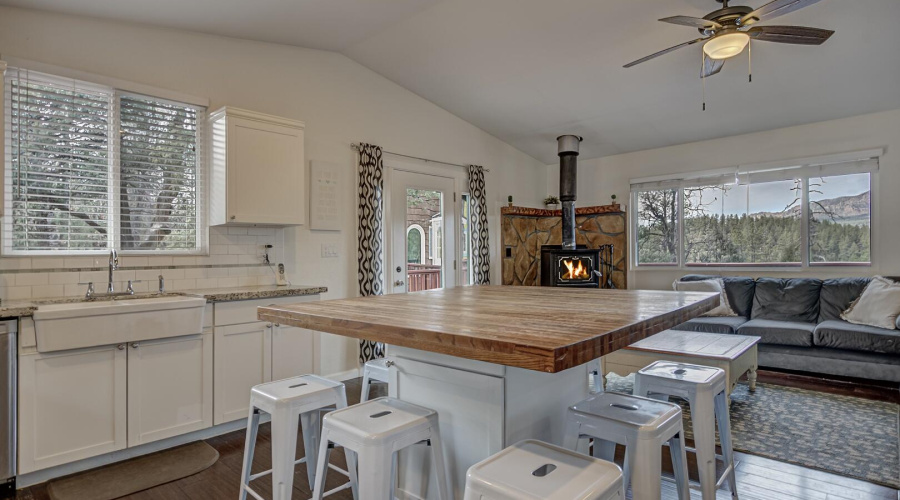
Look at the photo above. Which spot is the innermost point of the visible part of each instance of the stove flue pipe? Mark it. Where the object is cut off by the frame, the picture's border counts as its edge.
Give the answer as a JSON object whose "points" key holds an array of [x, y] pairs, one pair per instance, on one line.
{"points": [[568, 162]]}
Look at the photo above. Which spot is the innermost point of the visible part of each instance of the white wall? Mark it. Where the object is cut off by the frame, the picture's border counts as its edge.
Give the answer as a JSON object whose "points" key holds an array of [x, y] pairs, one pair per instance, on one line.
{"points": [[599, 178], [340, 101]]}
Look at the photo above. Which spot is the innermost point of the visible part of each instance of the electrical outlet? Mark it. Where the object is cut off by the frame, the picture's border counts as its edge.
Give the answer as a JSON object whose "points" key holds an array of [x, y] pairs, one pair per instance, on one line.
{"points": [[329, 250]]}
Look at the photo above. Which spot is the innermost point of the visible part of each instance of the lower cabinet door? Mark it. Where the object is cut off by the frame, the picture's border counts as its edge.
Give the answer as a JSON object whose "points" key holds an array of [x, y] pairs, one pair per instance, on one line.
{"points": [[72, 405], [243, 358], [170, 387], [292, 352]]}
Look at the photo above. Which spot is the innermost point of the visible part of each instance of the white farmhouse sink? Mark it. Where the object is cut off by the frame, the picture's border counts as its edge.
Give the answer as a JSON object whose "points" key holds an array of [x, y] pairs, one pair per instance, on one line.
{"points": [[103, 322]]}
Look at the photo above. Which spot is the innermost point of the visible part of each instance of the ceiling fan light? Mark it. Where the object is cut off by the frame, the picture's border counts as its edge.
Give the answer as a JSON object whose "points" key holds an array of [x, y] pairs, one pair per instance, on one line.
{"points": [[727, 45]]}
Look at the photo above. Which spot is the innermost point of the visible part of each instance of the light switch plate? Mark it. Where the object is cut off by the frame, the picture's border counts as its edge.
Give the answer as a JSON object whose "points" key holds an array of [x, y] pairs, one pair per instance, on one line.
{"points": [[329, 250]]}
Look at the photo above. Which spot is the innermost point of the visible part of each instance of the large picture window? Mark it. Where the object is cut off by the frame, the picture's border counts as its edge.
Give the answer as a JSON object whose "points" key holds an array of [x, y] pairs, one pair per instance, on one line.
{"points": [[90, 168], [756, 218]]}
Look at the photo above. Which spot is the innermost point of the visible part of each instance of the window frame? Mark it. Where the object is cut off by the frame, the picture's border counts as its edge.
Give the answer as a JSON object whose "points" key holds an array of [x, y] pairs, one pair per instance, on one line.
{"points": [[680, 181], [118, 88]]}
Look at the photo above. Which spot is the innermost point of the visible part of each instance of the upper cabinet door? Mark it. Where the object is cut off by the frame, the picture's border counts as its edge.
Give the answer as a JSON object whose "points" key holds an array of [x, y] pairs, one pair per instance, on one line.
{"points": [[258, 174]]}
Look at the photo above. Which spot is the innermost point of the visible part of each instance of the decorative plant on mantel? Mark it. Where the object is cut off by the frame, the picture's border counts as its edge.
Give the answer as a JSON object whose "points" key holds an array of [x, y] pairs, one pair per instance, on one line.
{"points": [[551, 202], [509, 199], [613, 200]]}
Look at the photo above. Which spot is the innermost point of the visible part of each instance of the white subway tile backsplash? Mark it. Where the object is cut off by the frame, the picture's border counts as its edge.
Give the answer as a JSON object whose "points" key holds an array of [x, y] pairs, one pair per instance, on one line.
{"points": [[48, 263], [27, 279], [15, 263], [237, 230], [63, 278], [47, 291], [159, 261], [207, 283], [17, 293]]}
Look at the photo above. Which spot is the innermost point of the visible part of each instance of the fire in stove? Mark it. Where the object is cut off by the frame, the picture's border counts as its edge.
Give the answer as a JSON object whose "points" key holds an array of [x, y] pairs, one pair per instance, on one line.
{"points": [[575, 270]]}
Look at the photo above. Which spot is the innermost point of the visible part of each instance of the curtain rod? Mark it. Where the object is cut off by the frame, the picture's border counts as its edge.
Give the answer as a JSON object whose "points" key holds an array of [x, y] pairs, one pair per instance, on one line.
{"points": [[355, 146]]}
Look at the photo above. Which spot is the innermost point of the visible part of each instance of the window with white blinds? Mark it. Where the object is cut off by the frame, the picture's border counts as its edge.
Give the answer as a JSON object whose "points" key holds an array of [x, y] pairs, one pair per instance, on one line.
{"points": [[89, 168]]}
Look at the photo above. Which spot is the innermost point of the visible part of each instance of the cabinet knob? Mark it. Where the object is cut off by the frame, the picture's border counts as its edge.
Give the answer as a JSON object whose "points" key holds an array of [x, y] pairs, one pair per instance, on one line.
{"points": [[268, 325], [277, 325], [233, 217], [135, 345], [120, 347], [389, 364]]}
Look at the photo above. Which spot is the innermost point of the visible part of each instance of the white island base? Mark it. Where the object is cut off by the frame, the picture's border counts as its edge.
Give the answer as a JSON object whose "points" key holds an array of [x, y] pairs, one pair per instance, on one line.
{"points": [[483, 408]]}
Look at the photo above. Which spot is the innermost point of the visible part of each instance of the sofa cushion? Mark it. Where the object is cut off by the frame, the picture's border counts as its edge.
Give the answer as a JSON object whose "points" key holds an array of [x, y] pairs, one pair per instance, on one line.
{"points": [[738, 288], [843, 335], [723, 324], [779, 332], [795, 299], [837, 294]]}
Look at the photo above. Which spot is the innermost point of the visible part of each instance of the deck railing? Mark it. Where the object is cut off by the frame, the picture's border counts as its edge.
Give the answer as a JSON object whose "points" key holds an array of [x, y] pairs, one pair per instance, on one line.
{"points": [[423, 277]]}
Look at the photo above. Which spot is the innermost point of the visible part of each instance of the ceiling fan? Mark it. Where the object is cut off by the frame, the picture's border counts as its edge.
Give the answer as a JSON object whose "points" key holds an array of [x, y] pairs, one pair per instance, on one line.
{"points": [[727, 31]]}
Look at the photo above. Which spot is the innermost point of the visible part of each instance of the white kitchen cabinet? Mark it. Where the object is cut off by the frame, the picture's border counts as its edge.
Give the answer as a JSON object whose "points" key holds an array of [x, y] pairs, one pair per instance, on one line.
{"points": [[258, 174], [292, 352], [72, 405], [243, 358], [170, 387]]}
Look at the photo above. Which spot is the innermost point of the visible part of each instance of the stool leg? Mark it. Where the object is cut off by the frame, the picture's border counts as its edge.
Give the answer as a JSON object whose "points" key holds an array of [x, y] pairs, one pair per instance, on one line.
{"points": [[284, 453], [349, 455], [321, 467], [309, 422], [640, 386], [724, 421], [703, 418], [604, 450], [249, 448], [679, 466], [646, 469], [440, 468], [366, 382], [374, 480], [573, 429]]}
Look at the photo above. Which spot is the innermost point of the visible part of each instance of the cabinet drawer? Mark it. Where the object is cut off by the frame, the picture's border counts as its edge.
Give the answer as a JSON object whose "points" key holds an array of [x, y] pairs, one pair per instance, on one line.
{"points": [[244, 311]]}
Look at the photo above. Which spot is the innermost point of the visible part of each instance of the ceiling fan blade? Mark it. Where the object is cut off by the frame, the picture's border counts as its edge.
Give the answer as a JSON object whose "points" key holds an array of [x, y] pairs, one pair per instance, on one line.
{"points": [[799, 35], [774, 9], [694, 22], [663, 52], [711, 66]]}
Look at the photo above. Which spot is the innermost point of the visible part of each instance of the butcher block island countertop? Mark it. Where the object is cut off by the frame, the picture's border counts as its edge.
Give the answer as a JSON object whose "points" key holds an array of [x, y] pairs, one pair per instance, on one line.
{"points": [[537, 328]]}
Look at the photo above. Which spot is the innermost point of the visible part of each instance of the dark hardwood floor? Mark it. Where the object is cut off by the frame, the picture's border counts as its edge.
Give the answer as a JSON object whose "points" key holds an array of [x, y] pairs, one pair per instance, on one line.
{"points": [[758, 478]]}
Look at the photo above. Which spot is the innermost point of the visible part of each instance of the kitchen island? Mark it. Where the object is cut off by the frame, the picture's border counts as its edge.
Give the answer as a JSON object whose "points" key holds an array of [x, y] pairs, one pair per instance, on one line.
{"points": [[499, 364]]}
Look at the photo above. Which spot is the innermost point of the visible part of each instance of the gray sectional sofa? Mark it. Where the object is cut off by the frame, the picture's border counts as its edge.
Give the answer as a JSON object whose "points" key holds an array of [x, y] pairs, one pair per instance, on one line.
{"points": [[800, 323]]}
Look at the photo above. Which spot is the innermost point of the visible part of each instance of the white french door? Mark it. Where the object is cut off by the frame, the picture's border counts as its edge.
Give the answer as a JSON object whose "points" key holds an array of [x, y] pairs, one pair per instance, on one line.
{"points": [[423, 232]]}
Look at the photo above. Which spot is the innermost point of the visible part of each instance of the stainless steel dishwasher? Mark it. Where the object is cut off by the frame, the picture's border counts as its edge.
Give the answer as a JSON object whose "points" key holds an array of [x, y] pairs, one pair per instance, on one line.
{"points": [[8, 384]]}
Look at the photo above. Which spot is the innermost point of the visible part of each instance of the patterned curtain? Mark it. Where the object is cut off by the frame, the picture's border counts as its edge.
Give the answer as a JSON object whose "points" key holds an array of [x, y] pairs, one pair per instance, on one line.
{"points": [[370, 232], [478, 228]]}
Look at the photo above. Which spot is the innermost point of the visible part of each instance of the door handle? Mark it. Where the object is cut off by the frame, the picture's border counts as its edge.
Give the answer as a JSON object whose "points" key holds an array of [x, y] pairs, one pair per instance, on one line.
{"points": [[399, 283]]}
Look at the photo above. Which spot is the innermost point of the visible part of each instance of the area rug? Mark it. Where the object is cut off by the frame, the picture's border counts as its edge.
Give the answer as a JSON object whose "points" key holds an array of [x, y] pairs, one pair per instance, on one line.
{"points": [[844, 435], [137, 474]]}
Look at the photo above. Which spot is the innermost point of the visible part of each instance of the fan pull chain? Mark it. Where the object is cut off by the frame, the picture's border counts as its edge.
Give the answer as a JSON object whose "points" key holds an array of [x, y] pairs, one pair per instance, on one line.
{"points": [[750, 60], [703, 76]]}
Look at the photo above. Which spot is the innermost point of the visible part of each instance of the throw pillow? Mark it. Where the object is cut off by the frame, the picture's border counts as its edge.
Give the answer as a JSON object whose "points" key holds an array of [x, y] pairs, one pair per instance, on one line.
{"points": [[879, 305], [714, 285]]}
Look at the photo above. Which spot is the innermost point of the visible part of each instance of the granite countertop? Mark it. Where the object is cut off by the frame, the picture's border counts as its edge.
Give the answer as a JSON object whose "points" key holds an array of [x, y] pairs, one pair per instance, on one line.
{"points": [[19, 308], [254, 292]]}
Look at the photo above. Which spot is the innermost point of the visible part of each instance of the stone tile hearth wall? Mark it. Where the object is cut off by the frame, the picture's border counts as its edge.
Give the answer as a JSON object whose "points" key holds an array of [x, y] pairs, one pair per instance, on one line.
{"points": [[523, 236]]}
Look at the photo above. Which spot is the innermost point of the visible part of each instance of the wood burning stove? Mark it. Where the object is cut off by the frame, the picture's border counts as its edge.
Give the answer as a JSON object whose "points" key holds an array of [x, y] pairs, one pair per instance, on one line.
{"points": [[577, 268]]}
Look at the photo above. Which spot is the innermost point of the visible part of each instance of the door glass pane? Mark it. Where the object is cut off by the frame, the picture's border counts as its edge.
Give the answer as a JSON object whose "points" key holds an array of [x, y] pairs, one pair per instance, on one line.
{"points": [[839, 219], [424, 239]]}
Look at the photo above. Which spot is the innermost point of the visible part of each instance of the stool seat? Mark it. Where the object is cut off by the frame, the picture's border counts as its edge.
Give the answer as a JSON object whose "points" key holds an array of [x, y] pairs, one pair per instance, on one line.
{"points": [[535, 470], [380, 419], [308, 389], [643, 414], [681, 372]]}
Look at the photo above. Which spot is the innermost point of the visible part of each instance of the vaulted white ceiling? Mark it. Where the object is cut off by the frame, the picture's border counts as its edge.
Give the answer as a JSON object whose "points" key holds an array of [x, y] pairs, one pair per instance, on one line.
{"points": [[529, 70]]}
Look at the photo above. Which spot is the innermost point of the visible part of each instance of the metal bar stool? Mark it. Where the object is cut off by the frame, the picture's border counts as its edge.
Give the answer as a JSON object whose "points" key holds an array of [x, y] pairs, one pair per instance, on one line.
{"points": [[375, 431], [704, 389], [375, 370], [642, 425], [534, 470], [289, 401]]}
